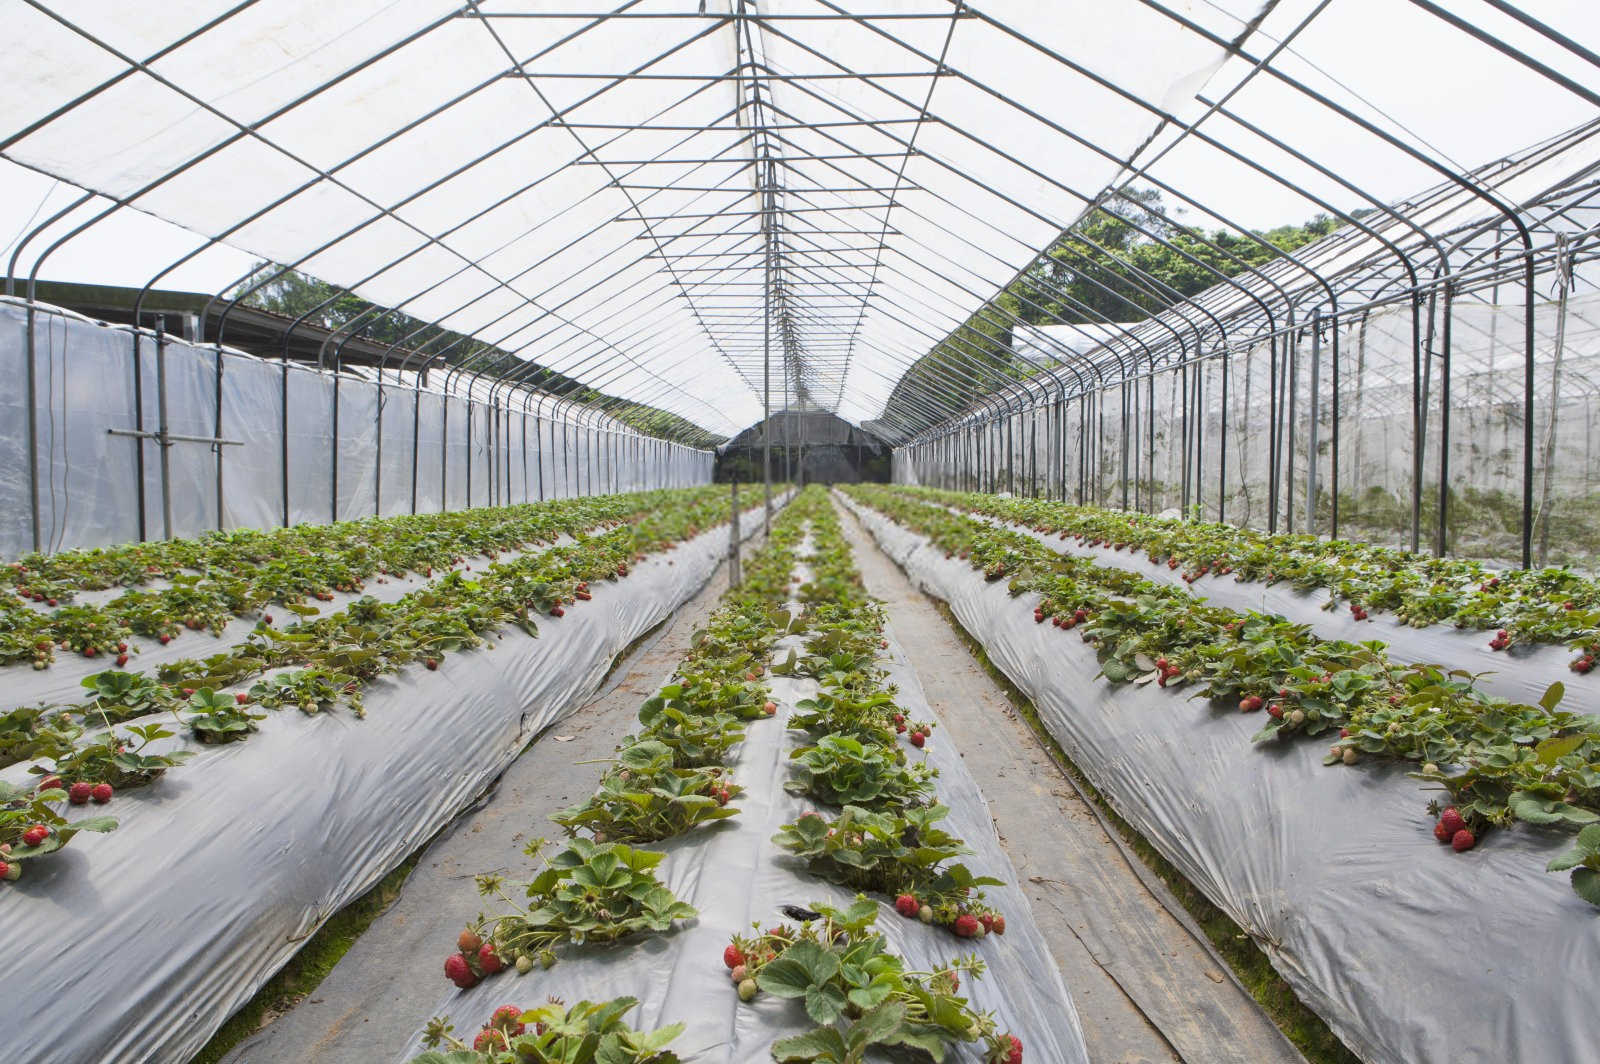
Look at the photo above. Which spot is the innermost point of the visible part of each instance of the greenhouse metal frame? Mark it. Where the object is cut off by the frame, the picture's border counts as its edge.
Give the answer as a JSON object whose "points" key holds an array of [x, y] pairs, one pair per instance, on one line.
{"points": [[890, 171]]}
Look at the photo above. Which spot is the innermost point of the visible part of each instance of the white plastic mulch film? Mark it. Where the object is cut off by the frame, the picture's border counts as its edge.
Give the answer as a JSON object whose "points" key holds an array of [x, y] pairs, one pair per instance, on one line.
{"points": [[403, 450], [1409, 958], [215, 889], [586, 188]]}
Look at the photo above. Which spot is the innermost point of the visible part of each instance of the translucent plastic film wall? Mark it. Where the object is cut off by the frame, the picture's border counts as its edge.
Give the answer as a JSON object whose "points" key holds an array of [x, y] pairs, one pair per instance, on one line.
{"points": [[1251, 436], [256, 443]]}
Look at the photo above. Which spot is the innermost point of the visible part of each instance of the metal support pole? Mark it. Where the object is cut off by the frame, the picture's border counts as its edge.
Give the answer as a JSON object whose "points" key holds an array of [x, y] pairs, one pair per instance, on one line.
{"points": [[735, 577], [163, 429], [33, 430], [1311, 441]]}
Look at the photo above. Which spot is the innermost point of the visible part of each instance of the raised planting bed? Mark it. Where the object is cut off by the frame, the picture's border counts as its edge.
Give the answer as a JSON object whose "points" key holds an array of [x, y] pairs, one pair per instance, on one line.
{"points": [[1520, 625], [138, 948], [1409, 949], [740, 977], [106, 606]]}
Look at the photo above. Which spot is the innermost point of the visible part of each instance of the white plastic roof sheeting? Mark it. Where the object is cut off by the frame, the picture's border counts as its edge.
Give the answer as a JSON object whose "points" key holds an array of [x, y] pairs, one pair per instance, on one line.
{"points": [[604, 190]]}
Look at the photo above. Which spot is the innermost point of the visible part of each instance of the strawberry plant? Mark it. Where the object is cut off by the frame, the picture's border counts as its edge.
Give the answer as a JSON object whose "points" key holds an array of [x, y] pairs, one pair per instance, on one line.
{"points": [[695, 739], [31, 827], [220, 718], [893, 853], [33, 732], [861, 996], [587, 892], [585, 1033], [644, 798], [118, 696], [116, 759], [25, 635], [311, 691], [1584, 862], [837, 709], [840, 770]]}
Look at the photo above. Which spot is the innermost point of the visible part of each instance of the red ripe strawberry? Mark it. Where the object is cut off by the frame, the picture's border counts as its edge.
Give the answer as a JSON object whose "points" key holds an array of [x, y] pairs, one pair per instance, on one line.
{"points": [[51, 783], [165, 639], [732, 956], [433, 664], [1038, 616], [90, 651], [122, 659], [557, 611], [918, 739], [1462, 841], [35, 835], [1452, 820], [900, 727], [1275, 711], [899, 718], [770, 708], [5, 870], [1440, 832], [1014, 1054], [507, 1018], [908, 906], [998, 924], [101, 793], [456, 968], [78, 793], [1250, 703], [987, 920], [967, 925], [469, 941], [241, 698], [489, 960]]}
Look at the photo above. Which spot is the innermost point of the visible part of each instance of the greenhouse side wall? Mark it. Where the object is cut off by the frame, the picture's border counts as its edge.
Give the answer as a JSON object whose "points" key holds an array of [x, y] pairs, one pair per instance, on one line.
{"points": [[353, 448], [1199, 438]]}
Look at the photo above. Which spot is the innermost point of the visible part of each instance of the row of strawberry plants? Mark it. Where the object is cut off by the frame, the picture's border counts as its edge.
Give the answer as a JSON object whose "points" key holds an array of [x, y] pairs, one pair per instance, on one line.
{"points": [[673, 774], [886, 838], [1534, 606], [322, 663], [1498, 761], [690, 727], [221, 576], [116, 695]]}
